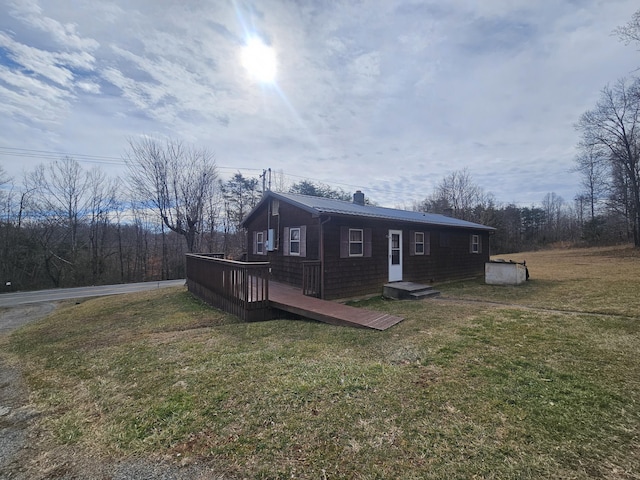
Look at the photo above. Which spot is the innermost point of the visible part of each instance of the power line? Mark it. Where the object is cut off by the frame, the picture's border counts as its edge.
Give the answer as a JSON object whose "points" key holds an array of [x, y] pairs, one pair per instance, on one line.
{"points": [[85, 158], [53, 155], [109, 160], [88, 158]]}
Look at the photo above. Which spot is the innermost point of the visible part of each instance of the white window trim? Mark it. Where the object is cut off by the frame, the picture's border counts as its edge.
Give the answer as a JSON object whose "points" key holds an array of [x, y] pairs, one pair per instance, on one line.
{"points": [[260, 243], [361, 242], [475, 244], [291, 241], [416, 243]]}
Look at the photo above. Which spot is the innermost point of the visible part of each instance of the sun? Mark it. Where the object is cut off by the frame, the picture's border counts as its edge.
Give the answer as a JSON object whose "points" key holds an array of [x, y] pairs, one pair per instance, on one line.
{"points": [[259, 60]]}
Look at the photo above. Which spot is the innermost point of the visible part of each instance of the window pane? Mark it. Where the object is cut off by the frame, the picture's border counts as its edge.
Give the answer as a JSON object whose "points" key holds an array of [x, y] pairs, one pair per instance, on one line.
{"points": [[419, 243], [355, 249], [355, 235], [259, 242], [294, 241]]}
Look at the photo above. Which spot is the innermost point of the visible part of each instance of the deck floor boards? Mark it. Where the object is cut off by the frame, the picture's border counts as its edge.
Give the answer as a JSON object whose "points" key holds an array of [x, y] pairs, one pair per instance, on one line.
{"points": [[291, 299]]}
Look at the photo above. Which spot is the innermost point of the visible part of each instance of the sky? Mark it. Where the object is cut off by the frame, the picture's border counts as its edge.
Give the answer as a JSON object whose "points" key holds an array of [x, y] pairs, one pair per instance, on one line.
{"points": [[387, 97]]}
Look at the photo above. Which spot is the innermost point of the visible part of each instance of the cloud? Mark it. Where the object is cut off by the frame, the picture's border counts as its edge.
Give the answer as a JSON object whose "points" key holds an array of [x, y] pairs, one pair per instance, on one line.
{"points": [[42, 72], [32, 15], [386, 96], [37, 62]]}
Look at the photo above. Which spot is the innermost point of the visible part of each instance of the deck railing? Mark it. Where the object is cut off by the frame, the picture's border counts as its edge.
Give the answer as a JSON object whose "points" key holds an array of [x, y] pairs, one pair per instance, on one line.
{"points": [[240, 288], [311, 281]]}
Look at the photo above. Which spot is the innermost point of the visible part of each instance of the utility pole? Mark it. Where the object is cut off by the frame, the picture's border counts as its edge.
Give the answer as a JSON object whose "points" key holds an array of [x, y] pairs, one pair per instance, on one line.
{"points": [[264, 180]]}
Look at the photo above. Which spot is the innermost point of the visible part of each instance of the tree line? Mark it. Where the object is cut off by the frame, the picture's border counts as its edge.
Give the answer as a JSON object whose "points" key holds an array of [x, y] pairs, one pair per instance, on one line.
{"points": [[68, 226]]}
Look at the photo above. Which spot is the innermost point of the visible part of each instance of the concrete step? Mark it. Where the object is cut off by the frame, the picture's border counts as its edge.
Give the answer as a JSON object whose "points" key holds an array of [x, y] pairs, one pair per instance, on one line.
{"points": [[408, 290], [424, 294]]}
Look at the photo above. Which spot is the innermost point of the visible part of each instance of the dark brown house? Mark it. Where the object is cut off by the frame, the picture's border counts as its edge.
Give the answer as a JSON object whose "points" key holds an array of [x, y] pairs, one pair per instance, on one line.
{"points": [[347, 249]]}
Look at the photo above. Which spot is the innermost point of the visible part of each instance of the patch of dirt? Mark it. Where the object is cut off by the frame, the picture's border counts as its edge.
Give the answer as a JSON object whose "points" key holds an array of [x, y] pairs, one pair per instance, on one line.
{"points": [[15, 317], [16, 414]]}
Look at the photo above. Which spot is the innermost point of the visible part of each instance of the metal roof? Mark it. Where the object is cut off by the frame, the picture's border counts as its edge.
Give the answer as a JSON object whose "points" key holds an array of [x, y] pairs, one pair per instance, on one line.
{"points": [[328, 206]]}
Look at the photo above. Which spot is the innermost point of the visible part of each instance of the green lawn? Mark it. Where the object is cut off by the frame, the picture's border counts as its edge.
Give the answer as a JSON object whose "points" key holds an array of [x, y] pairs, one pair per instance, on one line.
{"points": [[536, 381]]}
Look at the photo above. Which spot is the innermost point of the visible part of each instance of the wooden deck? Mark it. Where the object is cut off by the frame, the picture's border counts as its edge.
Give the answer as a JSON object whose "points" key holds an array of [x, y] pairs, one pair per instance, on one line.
{"points": [[290, 299]]}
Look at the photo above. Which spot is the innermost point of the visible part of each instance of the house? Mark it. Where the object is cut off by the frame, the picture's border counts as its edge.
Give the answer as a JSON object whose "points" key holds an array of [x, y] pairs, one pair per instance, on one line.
{"points": [[340, 249]]}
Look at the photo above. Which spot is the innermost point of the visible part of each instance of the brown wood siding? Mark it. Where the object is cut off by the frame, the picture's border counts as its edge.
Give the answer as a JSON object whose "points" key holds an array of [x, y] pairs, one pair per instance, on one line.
{"points": [[355, 276], [447, 263], [286, 269], [358, 276]]}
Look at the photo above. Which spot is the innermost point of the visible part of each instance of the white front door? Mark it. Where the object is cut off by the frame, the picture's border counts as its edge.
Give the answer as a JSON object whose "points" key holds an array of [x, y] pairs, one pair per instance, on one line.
{"points": [[395, 255]]}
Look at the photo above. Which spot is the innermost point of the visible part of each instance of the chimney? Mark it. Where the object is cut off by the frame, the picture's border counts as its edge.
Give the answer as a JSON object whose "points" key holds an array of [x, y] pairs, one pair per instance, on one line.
{"points": [[358, 198]]}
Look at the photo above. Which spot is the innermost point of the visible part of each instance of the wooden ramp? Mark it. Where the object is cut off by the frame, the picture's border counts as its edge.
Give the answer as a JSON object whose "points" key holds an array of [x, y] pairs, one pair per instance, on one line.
{"points": [[290, 299]]}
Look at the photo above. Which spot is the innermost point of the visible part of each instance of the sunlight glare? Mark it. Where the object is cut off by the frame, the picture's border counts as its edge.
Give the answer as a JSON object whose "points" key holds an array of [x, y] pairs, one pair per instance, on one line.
{"points": [[259, 60]]}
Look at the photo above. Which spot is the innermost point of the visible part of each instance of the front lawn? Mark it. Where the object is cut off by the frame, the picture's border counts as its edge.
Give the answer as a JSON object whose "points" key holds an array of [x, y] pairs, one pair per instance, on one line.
{"points": [[538, 381]]}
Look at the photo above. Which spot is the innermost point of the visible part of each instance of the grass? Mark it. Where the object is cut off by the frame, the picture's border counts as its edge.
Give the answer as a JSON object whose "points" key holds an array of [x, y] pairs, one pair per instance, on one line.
{"points": [[537, 381], [598, 280]]}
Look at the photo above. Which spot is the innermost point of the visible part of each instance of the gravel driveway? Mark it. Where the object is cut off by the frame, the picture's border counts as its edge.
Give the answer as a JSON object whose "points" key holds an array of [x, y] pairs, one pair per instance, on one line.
{"points": [[26, 454], [16, 416]]}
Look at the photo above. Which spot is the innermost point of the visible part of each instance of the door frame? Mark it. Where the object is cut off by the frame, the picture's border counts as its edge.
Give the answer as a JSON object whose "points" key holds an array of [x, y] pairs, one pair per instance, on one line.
{"points": [[395, 269]]}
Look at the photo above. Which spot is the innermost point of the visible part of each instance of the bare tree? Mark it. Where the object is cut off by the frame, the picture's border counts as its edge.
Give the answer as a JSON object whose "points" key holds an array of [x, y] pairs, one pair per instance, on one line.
{"points": [[57, 203], [459, 196], [4, 180], [212, 239], [102, 203], [620, 201], [177, 181], [592, 164], [631, 31], [59, 194], [553, 206], [614, 126]]}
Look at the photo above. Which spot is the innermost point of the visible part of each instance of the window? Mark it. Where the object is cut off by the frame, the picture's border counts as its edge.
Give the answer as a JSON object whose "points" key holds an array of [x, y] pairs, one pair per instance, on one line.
{"points": [[419, 242], [356, 242], [260, 243], [475, 244], [294, 241]]}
